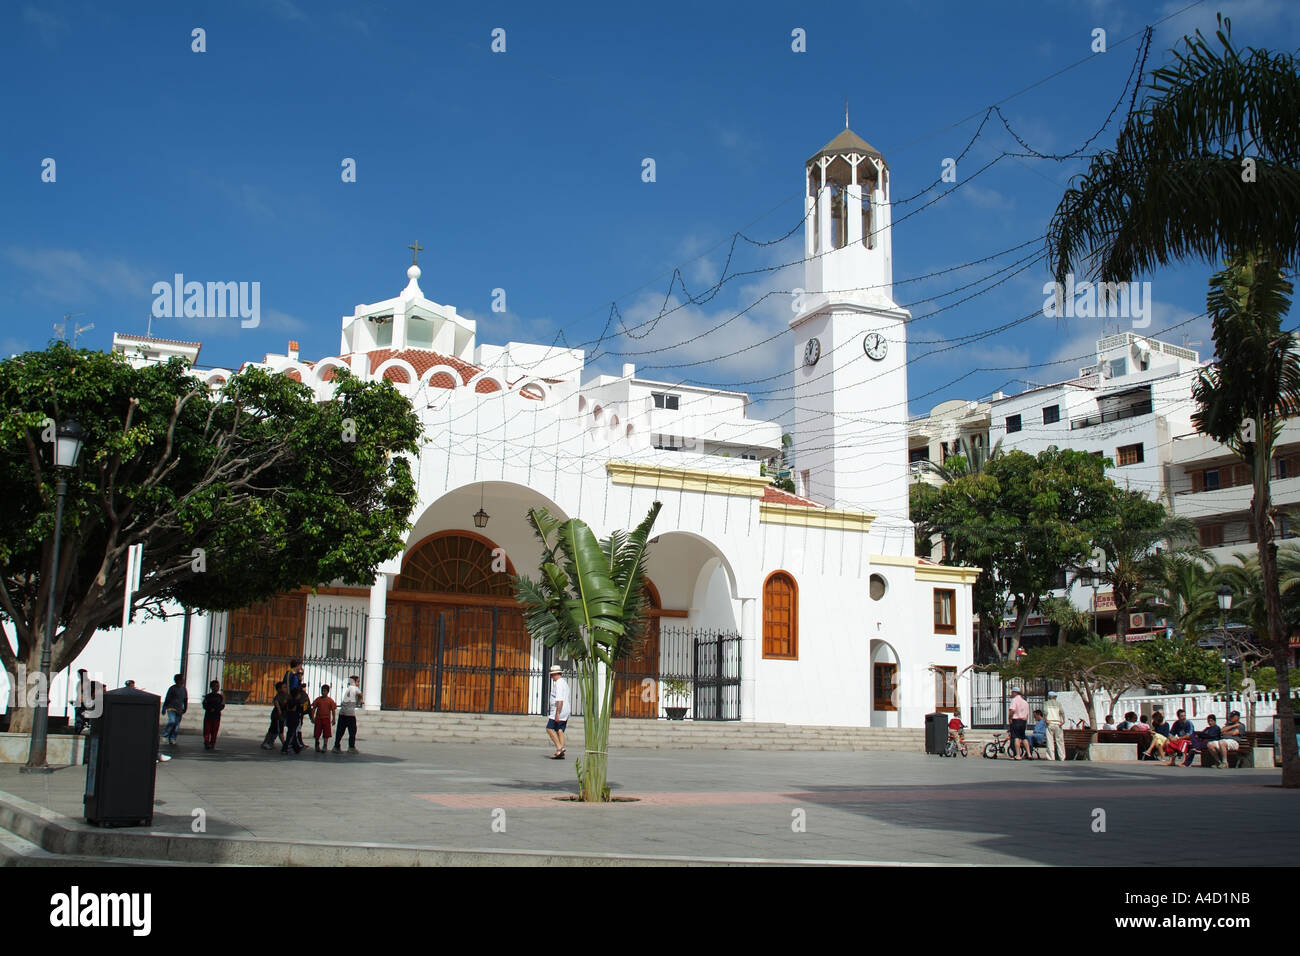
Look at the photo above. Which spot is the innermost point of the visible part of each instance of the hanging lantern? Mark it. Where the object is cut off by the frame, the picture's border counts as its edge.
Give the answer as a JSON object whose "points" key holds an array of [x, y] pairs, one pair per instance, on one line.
{"points": [[481, 516]]}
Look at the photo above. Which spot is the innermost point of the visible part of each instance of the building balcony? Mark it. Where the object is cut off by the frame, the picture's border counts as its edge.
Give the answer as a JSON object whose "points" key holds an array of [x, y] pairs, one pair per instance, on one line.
{"points": [[1233, 499], [1113, 415]]}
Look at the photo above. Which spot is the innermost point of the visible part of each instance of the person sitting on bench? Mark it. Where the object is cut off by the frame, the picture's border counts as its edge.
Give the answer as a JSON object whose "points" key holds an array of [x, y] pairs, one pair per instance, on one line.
{"points": [[1229, 741]]}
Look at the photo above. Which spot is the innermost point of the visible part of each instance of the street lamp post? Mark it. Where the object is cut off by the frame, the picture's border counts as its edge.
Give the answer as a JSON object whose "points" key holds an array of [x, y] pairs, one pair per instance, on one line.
{"points": [[1224, 595], [67, 449]]}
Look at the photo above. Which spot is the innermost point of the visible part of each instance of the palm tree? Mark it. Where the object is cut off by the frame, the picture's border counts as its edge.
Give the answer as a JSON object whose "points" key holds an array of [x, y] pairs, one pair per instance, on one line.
{"points": [[1209, 168], [1185, 583], [590, 604], [969, 460], [1132, 536]]}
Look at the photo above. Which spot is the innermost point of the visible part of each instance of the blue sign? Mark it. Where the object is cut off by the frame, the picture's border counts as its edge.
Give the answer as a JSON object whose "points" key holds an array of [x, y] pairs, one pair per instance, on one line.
{"points": [[952, 647]]}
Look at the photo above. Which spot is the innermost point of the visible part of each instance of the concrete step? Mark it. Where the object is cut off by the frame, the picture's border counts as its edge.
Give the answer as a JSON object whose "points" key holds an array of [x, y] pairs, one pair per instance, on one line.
{"points": [[525, 729]]}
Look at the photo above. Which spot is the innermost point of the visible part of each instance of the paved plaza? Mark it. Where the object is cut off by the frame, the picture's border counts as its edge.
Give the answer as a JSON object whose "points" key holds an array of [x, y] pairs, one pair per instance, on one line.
{"points": [[823, 806]]}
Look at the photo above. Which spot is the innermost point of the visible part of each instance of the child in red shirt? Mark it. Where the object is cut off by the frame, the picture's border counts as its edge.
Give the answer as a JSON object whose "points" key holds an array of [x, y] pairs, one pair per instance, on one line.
{"points": [[322, 711]]}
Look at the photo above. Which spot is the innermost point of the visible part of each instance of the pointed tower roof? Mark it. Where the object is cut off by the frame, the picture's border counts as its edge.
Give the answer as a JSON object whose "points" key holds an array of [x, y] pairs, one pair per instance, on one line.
{"points": [[847, 142]]}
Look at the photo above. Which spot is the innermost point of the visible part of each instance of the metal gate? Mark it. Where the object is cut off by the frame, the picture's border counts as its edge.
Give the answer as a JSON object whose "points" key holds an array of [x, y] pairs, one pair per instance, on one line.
{"points": [[991, 698], [249, 655], [699, 670], [471, 659]]}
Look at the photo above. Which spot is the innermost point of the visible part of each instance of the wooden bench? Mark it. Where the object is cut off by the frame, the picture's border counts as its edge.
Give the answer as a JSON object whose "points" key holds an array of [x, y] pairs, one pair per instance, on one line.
{"points": [[1077, 742], [1140, 739]]}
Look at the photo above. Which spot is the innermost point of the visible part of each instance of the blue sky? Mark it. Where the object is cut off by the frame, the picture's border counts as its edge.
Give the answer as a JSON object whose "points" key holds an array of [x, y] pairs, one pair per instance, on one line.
{"points": [[522, 170]]}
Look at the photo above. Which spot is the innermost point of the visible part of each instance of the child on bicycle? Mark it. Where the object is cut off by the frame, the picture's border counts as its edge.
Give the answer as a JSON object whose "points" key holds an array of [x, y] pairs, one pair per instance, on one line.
{"points": [[957, 730]]}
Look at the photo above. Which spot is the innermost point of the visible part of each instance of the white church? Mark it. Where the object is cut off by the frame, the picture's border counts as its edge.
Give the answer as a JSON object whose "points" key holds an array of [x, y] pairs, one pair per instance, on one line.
{"points": [[768, 606]]}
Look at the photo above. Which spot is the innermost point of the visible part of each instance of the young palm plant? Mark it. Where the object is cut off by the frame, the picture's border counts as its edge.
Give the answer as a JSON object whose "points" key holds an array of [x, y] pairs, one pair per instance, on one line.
{"points": [[1184, 582], [589, 604]]}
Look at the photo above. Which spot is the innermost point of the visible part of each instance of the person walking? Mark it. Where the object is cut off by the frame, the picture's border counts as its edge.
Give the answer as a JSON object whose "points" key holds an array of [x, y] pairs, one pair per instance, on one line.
{"points": [[83, 702], [352, 699], [213, 704], [1055, 716], [174, 706], [322, 712], [1019, 720], [559, 719], [279, 703]]}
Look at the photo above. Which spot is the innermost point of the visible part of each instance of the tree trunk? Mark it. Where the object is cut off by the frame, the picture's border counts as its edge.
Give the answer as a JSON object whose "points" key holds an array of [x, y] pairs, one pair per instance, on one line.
{"points": [[1022, 615], [1278, 638]]}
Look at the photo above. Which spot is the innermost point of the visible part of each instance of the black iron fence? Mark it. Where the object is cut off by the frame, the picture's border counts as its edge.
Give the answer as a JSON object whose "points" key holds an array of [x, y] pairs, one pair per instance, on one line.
{"points": [[699, 670], [333, 647], [991, 698]]}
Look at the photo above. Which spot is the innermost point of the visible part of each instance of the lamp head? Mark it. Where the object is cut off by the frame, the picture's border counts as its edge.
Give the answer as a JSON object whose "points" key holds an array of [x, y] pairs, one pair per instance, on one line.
{"points": [[67, 444]]}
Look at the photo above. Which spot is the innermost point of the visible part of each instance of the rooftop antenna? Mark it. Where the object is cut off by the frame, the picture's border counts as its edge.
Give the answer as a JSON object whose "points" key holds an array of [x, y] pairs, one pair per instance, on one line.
{"points": [[78, 329], [62, 327]]}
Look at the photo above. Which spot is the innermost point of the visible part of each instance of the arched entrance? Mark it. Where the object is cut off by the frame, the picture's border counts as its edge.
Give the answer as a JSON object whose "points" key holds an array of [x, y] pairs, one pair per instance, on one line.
{"points": [[454, 638]]}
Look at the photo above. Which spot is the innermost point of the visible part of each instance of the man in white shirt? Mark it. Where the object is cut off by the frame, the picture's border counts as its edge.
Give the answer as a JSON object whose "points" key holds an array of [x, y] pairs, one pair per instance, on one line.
{"points": [[1054, 714], [348, 714], [559, 717]]}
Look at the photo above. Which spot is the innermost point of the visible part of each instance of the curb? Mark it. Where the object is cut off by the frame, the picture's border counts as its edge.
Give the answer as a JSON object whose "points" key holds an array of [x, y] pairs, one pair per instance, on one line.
{"points": [[62, 841]]}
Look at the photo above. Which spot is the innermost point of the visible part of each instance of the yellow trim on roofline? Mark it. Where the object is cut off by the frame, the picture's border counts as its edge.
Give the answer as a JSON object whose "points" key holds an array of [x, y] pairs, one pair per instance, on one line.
{"points": [[772, 512], [929, 572], [893, 559], [666, 478], [950, 575]]}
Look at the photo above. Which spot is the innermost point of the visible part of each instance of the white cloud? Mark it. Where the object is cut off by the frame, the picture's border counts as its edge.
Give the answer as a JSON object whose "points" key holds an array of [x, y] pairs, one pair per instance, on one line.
{"points": [[77, 276]]}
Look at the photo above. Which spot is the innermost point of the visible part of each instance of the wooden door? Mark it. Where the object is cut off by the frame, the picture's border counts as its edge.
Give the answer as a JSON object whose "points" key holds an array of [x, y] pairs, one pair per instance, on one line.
{"points": [[514, 662], [630, 696], [883, 685], [410, 653], [467, 660], [265, 638]]}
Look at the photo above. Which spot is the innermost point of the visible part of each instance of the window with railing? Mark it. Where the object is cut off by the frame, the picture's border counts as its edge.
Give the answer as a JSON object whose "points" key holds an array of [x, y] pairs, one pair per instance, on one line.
{"points": [[1051, 414], [1013, 423], [1131, 410]]}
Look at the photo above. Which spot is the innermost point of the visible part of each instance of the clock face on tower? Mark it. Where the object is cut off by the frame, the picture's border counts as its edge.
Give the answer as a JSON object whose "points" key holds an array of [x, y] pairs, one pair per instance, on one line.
{"points": [[875, 346], [812, 352]]}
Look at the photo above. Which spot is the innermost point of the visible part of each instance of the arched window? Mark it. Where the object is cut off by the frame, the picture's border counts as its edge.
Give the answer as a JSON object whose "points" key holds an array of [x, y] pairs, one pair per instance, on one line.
{"points": [[456, 562], [780, 617]]}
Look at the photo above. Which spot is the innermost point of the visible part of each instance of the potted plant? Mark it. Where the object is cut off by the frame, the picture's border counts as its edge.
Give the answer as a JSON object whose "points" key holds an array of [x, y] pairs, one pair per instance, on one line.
{"points": [[236, 673], [678, 688]]}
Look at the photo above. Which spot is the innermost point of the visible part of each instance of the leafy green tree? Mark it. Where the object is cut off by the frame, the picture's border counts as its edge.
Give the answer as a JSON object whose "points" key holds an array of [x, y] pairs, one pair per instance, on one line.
{"points": [[1209, 168], [589, 603], [1177, 662], [234, 495], [1022, 520], [1089, 669], [1129, 536]]}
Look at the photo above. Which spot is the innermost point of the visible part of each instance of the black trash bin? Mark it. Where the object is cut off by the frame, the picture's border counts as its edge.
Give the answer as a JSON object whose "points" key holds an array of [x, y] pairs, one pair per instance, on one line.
{"points": [[936, 733], [123, 759]]}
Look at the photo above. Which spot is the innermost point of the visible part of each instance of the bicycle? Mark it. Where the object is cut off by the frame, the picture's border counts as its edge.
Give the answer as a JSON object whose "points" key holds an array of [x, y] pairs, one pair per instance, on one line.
{"points": [[956, 745], [1002, 744]]}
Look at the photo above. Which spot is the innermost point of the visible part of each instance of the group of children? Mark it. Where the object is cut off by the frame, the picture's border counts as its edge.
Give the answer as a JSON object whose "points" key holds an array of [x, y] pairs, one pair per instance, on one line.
{"points": [[292, 705]]}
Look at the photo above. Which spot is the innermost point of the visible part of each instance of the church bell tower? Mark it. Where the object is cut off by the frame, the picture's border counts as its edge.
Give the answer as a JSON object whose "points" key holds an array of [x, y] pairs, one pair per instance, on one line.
{"points": [[850, 347]]}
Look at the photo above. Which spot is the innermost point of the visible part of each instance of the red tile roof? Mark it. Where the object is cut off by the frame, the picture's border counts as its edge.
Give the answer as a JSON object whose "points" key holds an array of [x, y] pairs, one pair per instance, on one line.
{"points": [[775, 495]]}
